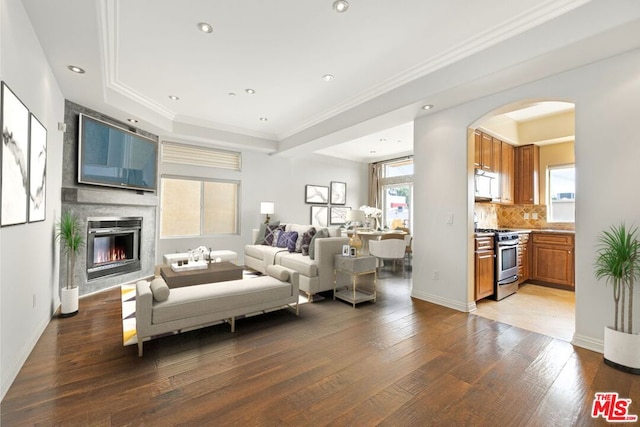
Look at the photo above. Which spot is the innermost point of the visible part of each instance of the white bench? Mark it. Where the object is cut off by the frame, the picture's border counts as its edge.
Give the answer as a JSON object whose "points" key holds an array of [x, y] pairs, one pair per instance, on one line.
{"points": [[223, 255]]}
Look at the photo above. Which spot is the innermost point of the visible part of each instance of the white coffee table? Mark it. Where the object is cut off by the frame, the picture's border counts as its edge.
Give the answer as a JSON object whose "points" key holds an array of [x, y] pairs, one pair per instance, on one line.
{"points": [[224, 255]]}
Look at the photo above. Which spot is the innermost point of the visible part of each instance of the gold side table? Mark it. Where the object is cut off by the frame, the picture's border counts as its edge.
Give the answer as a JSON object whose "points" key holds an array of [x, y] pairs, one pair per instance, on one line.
{"points": [[354, 267]]}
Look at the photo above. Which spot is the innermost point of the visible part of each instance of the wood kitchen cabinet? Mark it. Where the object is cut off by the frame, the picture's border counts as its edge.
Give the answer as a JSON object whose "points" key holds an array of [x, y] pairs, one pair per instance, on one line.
{"points": [[524, 258], [483, 153], [553, 259], [484, 267], [527, 173], [507, 177]]}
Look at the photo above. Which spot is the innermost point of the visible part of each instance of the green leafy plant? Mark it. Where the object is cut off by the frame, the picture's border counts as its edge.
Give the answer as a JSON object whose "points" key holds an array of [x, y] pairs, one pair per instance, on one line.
{"points": [[618, 262], [70, 234]]}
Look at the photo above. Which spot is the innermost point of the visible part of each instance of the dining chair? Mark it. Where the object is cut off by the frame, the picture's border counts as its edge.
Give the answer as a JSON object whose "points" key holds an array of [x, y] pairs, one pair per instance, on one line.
{"points": [[388, 249]]}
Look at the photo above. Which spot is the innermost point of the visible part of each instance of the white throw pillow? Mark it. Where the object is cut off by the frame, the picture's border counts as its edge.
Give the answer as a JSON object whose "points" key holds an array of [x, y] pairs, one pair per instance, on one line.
{"points": [[278, 272], [159, 289]]}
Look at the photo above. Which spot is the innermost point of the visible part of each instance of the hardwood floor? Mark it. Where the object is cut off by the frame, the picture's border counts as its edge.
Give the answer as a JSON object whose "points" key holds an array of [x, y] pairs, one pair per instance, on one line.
{"points": [[396, 362]]}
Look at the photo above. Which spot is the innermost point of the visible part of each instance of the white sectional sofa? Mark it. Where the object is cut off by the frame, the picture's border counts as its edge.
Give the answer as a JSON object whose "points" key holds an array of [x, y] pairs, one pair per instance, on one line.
{"points": [[160, 310], [316, 275]]}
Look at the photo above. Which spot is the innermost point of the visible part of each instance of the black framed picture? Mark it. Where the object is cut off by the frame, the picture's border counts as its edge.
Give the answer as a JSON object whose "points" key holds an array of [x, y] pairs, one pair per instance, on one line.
{"points": [[338, 193], [319, 216], [37, 170], [316, 194], [338, 215], [14, 186]]}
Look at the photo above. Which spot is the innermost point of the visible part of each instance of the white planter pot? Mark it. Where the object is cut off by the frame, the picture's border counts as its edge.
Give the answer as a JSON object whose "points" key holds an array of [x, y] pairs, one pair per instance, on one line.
{"points": [[69, 302], [622, 350]]}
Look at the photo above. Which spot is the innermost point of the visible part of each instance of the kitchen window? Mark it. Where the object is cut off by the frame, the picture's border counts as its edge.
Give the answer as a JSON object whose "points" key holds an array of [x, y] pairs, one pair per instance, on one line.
{"points": [[197, 207], [561, 203]]}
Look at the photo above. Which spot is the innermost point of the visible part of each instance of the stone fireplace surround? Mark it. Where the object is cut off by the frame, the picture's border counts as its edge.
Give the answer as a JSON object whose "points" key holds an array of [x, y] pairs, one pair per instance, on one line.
{"points": [[94, 201]]}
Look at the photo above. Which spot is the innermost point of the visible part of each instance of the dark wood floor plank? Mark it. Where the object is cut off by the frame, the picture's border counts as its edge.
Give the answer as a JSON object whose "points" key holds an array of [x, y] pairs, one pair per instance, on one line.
{"points": [[396, 362]]}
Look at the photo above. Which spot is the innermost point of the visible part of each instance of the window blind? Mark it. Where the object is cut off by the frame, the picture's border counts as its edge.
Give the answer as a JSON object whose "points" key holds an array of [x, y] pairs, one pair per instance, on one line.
{"points": [[194, 155]]}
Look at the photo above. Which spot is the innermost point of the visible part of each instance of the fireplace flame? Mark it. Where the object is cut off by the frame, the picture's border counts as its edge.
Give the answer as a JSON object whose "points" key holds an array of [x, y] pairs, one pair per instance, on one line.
{"points": [[110, 256]]}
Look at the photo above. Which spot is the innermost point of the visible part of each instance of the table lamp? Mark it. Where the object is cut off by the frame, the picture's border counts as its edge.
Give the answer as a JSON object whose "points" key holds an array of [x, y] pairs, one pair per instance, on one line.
{"points": [[355, 217], [267, 208]]}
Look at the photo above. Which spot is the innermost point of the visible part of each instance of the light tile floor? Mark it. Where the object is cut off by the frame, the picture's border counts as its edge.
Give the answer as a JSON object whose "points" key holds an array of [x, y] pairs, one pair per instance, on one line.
{"points": [[547, 311]]}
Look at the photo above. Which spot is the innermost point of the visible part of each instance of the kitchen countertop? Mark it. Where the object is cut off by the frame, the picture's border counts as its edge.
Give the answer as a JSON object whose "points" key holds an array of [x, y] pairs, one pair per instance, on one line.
{"points": [[530, 230]]}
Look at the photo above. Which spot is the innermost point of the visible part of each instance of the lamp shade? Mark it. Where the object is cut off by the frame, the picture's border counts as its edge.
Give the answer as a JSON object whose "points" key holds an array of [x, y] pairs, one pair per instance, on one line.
{"points": [[267, 208], [355, 216]]}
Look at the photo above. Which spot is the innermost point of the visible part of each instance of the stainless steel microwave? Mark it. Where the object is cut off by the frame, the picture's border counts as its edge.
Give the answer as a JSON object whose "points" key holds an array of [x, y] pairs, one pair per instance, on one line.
{"points": [[486, 185]]}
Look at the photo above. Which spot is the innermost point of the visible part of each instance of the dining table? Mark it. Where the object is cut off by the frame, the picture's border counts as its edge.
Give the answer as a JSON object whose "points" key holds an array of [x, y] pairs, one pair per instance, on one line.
{"points": [[367, 235]]}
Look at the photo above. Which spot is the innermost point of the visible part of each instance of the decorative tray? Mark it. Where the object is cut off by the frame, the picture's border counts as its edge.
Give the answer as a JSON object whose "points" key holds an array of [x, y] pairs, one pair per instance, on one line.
{"points": [[193, 265]]}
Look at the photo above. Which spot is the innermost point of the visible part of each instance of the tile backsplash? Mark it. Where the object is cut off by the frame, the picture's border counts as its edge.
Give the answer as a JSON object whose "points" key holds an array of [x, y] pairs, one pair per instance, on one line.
{"points": [[492, 215]]}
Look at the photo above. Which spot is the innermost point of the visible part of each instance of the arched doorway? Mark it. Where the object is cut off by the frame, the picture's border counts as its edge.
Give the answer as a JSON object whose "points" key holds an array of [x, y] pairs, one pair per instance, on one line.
{"points": [[526, 151]]}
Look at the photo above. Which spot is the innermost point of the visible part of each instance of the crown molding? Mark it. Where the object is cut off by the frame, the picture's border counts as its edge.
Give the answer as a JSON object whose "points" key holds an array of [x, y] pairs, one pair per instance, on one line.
{"points": [[108, 18], [531, 18]]}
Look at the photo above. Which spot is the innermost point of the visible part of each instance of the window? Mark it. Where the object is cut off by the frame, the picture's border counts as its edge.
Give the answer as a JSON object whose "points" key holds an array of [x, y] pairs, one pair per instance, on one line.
{"points": [[561, 203], [196, 207], [396, 185]]}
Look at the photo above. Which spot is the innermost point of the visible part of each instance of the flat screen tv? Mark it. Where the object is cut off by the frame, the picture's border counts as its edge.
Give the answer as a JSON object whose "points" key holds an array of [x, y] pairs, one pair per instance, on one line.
{"points": [[115, 157]]}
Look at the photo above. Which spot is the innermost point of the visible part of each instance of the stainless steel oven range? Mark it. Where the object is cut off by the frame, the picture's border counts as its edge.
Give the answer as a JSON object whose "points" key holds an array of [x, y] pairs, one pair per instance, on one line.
{"points": [[506, 272]]}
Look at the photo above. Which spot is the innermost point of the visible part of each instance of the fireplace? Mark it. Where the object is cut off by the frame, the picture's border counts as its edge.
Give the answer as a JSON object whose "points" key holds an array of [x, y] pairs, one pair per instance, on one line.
{"points": [[113, 246]]}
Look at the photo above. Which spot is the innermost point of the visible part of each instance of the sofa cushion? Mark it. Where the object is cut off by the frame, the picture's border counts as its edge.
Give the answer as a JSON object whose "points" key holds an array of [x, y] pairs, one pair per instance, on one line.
{"points": [[300, 263], [306, 240], [255, 251], [287, 239], [269, 233], [261, 231], [300, 229], [278, 272], [199, 300], [159, 289], [322, 233]]}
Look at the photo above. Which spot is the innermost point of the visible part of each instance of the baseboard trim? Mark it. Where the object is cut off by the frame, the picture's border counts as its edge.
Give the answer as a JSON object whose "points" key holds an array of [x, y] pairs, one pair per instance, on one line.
{"points": [[445, 302], [588, 343]]}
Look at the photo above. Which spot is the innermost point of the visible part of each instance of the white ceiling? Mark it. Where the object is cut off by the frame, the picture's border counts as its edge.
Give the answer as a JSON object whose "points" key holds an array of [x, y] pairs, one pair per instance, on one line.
{"points": [[388, 59]]}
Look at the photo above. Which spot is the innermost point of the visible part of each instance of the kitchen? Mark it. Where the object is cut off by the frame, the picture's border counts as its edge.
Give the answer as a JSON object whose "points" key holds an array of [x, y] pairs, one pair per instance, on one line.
{"points": [[524, 179]]}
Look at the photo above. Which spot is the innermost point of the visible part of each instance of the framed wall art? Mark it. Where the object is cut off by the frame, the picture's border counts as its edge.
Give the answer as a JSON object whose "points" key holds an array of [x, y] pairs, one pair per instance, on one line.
{"points": [[15, 150], [316, 194], [37, 169], [338, 215], [338, 193], [319, 216]]}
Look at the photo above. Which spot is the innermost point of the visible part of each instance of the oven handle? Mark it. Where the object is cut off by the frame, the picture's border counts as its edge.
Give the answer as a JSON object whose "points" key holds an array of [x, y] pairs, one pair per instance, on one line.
{"points": [[508, 281]]}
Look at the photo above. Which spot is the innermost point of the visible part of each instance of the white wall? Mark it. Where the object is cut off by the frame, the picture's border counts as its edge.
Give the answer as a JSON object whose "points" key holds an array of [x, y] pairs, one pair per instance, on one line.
{"points": [[29, 270], [607, 154], [270, 178]]}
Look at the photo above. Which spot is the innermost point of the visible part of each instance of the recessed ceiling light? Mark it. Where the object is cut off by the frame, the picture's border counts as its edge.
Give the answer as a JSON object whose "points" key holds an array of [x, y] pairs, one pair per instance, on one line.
{"points": [[340, 6], [250, 91], [132, 120], [205, 28], [232, 94], [263, 119], [427, 107], [173, 98], [327, 77], [75, 69]]}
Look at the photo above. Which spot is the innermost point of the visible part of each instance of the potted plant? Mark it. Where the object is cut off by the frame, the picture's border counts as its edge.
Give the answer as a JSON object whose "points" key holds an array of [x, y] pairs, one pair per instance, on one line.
{"points": [[70, 234], [618, 262]]}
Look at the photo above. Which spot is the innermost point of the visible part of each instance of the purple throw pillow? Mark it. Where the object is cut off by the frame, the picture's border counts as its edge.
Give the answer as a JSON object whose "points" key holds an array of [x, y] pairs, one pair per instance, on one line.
{"points": [[269, 233], [287, 239]]}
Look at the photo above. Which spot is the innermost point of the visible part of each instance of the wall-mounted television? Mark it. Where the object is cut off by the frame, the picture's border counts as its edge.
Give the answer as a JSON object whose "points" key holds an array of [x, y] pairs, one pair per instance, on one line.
{"points": [[115, 157]]}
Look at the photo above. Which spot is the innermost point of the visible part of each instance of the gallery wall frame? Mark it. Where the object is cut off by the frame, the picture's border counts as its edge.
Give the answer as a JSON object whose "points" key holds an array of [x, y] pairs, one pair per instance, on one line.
{"points": [[37, 170], [14, 180], [319, 216], [338, 193], [338, 214], [316, 194]]}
